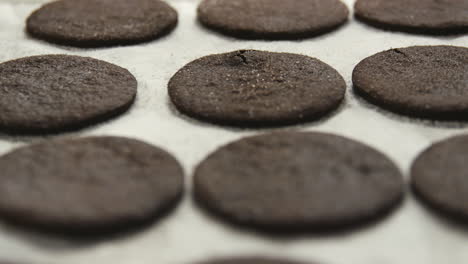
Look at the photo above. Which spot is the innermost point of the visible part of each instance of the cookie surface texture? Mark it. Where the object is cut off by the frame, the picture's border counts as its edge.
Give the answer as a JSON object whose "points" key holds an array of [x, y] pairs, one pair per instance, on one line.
{"points": [[439, 176], [415, 16], [53, 93], [93, 184], [297, 181], [256, 88], [272, 19], [100, 23], [421, 81]]}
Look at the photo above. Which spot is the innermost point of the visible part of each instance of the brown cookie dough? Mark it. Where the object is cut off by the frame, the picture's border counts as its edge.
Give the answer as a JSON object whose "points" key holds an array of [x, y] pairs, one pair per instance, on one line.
{"points": [[88, 185], [439, 176], [53, 93], [251, 260], [422, 81], [298, 181], [98, 23], [256, 88], [415, 16], [272, 19]]}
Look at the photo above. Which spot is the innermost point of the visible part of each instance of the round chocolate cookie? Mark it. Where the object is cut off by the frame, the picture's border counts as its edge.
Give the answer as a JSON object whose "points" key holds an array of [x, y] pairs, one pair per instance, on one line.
{"points": [[439, 176], [98, 23], [272, 19], [250, 260], [256, 88], [415, 16], [60, 92], [94, 184], [298, 181], [422, 81]]}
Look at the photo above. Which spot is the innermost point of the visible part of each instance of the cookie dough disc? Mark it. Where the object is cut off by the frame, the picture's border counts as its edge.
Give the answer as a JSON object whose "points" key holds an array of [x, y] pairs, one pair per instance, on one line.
{"points": [[59, 92], [97, 23], [422, 81], [297, 181], [251, 260], [272, 19], [256, 88], [92, 184], [439, 176], [415, 16]]}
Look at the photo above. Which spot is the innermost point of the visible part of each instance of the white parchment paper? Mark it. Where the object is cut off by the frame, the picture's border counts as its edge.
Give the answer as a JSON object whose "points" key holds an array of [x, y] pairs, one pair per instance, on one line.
{"points": [[410, 235]]}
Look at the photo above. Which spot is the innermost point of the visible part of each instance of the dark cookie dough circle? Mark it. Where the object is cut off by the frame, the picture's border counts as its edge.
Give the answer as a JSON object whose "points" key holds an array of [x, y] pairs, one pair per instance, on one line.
{"points": [[251, 260], [97, 23], [256, 88], [297, 181], [89, 184], [439, 176], [422, 81], [415, 16], [272, 19], [59, 92]]}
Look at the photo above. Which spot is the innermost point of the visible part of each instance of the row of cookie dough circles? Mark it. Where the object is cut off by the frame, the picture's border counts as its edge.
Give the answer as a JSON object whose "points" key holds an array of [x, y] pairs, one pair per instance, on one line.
{"points": [[97, 23], [247, 88], [292, 182], [236, 260]]}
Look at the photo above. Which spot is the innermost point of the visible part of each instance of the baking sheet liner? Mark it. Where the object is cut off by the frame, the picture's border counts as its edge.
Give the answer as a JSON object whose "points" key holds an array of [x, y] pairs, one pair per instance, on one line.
{"points": [[412, 234]]}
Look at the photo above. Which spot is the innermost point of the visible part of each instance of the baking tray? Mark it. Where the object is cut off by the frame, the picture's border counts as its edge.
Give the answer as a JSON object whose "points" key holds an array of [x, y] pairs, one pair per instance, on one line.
{"points": [[412, 234]]}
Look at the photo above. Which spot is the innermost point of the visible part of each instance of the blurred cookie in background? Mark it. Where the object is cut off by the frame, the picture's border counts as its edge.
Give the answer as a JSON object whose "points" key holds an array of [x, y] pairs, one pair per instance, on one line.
{"points": [[441, 17], [101, 23], [272, 19]]}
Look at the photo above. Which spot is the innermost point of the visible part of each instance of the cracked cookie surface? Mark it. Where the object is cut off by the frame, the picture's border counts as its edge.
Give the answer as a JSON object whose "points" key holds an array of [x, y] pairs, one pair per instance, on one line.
{"points": [[87, 185], [256, 88], [422, 81]]}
